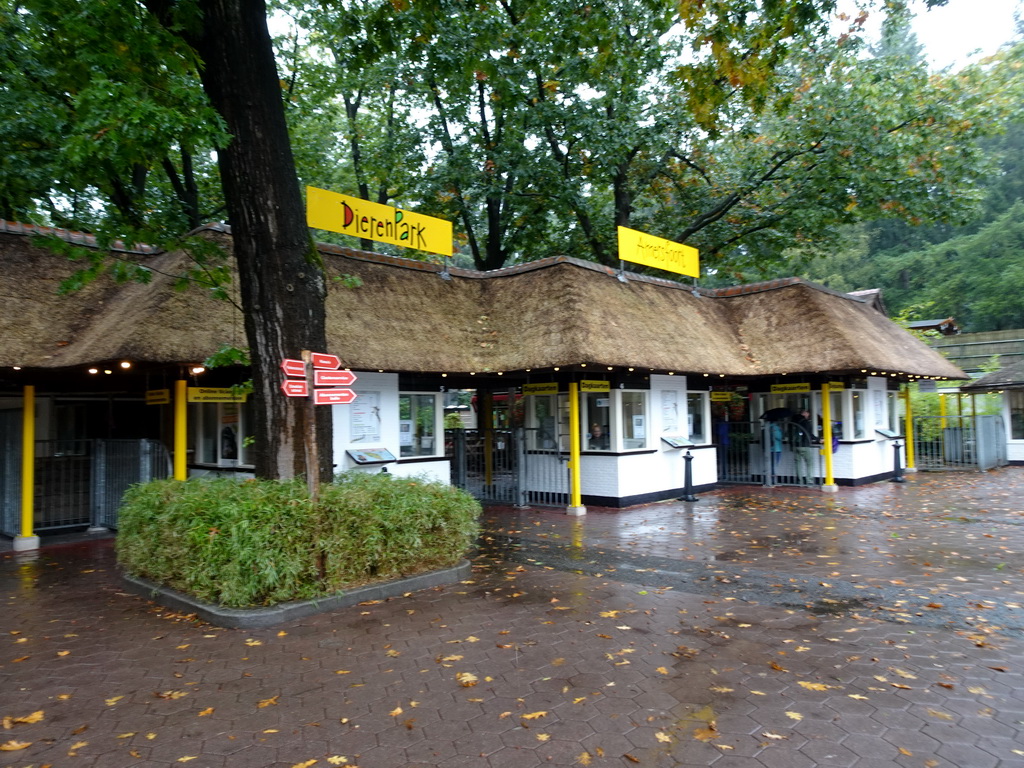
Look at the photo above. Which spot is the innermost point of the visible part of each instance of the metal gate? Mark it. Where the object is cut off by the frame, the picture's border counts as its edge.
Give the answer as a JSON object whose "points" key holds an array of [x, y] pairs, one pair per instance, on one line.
{"points": [[959, 442], [495, 465], [745, 454], [80, 483]]}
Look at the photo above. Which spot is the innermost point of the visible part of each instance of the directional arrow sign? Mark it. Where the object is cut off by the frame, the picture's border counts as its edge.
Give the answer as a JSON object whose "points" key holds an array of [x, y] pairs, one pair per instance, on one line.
{"points": [[334, 378], [293, 367], [332, 396], [295, 388], [320, 360]]}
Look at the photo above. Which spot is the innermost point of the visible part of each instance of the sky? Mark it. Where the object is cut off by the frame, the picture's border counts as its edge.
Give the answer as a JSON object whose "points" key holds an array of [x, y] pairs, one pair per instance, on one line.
{"points": [[952, 32]]}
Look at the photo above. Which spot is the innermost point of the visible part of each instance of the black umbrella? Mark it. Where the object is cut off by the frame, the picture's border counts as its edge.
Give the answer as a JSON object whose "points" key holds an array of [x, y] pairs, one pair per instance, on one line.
{"points": [[777, 414]]}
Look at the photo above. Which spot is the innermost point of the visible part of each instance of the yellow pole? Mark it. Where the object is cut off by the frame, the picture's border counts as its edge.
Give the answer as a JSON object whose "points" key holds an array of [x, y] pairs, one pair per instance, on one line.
{"points": [[826, 433], [28, 461], [909, 428], [486, 401], [575, 489], [942, 411], [180, 429]]}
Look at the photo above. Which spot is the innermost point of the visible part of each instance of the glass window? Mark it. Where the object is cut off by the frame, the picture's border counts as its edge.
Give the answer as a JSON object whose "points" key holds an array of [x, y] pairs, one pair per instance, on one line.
{"points": [[206, 432], [634, 420], [696, 404], [220, 433], [1016, 400], [417, 416], [596, 418], [547, 422], [859, 410]]}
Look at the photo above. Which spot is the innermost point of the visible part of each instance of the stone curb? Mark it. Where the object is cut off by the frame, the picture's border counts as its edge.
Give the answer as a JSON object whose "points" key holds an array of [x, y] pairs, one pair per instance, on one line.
{"points": [[260, 618]]}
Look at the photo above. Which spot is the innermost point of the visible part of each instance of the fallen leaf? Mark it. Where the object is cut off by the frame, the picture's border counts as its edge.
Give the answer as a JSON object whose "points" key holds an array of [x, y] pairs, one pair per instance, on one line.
{"points": [[253, 642], [205, 712], [188, 758], [940, 715], [272, 701], [35, 717], [73, 749], [396, 711], [14, 745], [533, 715], [466, 679], [170, 694], [794, 716], [663, 737], [583, 758], [661, 671], [706, 733], [721, 689], [631, 758], [543, 736], [305, 764], [906, 752], [814, 686], [771, 735]]}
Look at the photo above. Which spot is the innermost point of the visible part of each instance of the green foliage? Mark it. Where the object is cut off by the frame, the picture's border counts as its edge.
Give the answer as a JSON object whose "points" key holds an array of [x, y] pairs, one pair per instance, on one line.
{"points": [[261, 542]]}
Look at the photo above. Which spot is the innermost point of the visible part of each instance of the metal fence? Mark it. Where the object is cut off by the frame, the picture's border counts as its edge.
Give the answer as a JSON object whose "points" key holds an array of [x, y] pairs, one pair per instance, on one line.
{"points": [[495, 465], [81, 483], [959, 442], [745, 454]]}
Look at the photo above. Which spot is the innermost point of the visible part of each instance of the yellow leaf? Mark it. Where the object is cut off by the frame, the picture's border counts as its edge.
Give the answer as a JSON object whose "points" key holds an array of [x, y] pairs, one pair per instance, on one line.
{"points": [[584, 758], [337, 760], [705, 733], [205, 712], [113, 701], [305, 764], [14, 746], [466, 679], [533, 715], [453, 657], [663, 737], [906, 752], [272, 701], [253, 642], [814, 686], [35, 717], [150, 736], [857, 696], [396, 711], [77, 746], [661, 671], [543, 736], [503, 715], [724, 746], [342, 672], [721, 689], [63, 653], [472, 639], [940, 715], [903, 674], [392, 653], [63, 696], [772, 735], [794, 716], [759, 693], [126, 735], [171, 694], [182, 647], [281, 633], [187, 758], [609, 614]]}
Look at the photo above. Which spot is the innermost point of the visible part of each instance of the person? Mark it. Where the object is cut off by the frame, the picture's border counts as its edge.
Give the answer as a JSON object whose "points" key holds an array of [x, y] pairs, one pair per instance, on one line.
{"points": [[775, 444], [598, 438], [803, 447]]}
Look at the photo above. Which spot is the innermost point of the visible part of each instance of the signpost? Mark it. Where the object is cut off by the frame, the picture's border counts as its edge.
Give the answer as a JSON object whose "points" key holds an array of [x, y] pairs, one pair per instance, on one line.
{"points": [[316, 369]]}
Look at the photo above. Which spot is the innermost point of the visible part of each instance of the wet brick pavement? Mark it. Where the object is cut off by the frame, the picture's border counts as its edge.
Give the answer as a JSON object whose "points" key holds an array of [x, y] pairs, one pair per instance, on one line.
{"points": [[755, 628]]}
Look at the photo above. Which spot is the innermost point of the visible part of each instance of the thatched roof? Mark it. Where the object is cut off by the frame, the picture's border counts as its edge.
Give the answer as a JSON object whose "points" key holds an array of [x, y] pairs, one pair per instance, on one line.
{"points": [[406, 317]]}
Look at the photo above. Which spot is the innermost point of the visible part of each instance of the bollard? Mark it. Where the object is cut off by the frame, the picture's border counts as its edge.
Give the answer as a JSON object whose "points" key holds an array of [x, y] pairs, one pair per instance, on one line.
{"points": [[897, 470], [688, 479]]}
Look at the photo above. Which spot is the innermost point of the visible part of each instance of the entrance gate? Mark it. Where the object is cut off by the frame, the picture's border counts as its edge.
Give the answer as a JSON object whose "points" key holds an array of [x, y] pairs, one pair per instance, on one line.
{"points": [[959, 442], [78, 483], [494, 465], [745, 456]]}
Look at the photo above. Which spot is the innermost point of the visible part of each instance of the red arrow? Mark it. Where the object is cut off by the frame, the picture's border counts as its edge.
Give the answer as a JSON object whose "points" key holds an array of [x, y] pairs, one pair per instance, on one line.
{"points": [[295, 388], [320, 360], [334, 378], [333, 396], [293, 367]]}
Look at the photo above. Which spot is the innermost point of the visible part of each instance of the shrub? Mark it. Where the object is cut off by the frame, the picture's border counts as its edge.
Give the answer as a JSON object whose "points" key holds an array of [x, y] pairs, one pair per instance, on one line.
{"points": [[261, 542]]}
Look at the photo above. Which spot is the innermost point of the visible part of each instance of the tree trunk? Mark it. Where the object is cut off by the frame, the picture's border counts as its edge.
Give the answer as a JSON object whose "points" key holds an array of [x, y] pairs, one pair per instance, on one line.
{"points": [[280, 273]]}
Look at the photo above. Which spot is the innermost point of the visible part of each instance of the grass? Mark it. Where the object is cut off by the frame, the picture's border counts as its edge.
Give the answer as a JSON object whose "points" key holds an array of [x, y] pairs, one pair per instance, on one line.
{"points": [[261, 542]]}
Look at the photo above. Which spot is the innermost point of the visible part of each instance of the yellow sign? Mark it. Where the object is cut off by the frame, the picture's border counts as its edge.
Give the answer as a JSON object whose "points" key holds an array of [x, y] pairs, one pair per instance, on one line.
{"points": [[548, 388], [789, 388], [373, 221], [595, 386], [215, 395], [834, 386], [651, 251], [721, 397], [158, 396]]}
